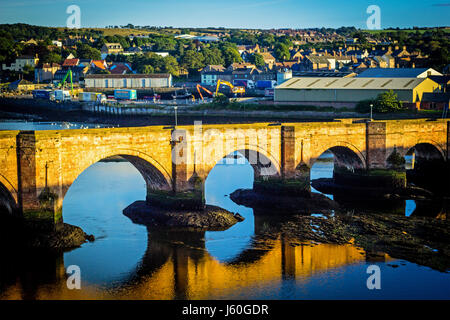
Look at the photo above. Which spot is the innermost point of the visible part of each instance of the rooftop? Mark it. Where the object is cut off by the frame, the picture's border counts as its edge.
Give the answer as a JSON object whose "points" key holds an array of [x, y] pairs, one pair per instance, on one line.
{"points": [[352, 83], [394, 72]]}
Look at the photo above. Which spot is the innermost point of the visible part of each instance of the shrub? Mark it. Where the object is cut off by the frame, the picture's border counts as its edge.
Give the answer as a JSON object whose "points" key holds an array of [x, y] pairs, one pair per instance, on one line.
{"points": [[385, 102]]}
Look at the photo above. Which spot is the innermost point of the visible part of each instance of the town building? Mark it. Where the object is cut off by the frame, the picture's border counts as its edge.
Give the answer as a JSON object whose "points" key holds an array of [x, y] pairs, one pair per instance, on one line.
{"points": [[351, 90], [111, 48], [21, 62], [211, 73], [131, 81], [46, 73]]}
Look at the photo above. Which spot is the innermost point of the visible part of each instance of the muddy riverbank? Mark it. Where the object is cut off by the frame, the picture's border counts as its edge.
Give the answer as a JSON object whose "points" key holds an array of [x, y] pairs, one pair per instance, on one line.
{"points": [[422, 240], [25, 235], [210, 218], [311, 202]]}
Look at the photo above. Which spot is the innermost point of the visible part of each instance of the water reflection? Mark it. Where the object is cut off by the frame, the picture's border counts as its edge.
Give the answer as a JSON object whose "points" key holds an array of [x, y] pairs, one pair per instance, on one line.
{"points": [[223, 180], [129, 261]]}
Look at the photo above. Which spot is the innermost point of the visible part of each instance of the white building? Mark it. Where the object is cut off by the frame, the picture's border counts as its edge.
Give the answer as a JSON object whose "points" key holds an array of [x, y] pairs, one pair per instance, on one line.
{"points": [[130, 81], [21, 62]]}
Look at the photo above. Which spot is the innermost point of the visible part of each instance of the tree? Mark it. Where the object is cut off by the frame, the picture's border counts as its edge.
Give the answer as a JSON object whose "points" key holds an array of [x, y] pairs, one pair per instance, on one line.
{"points": [[388, 102], [385, 102], [28, 72], [282, 51], [171, 66], [258, 60], [230, 54], [193, 60], [52, 57], [147, 69], [212, 56], [85, 51]]}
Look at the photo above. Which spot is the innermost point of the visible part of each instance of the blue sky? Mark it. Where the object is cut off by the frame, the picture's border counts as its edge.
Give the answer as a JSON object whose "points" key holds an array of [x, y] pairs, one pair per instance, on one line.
{"points": [[229, 13]]}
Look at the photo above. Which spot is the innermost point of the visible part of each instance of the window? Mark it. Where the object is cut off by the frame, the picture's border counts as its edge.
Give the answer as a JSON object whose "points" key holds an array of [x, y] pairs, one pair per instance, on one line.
{"points": [[124, 83], [106, 83], [143, 83]]}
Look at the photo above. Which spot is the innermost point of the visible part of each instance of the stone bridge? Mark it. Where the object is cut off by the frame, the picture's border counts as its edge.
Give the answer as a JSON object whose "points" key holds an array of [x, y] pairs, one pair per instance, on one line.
{"points": [[38, 167]]}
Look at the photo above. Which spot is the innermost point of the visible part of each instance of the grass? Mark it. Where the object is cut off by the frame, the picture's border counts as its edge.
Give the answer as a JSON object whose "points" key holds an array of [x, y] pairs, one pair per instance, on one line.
{"points": [[405, 30]]}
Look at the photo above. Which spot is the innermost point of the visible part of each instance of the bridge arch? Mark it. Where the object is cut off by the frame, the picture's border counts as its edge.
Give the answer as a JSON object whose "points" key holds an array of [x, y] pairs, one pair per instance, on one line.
{"points": [[262, 162], [8, 203], [426, 150], [154, 174], [345, 156]]}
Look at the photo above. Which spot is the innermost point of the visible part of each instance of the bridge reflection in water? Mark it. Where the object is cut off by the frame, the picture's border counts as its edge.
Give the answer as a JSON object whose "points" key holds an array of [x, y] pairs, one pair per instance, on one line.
{"points": [[174, 267]]}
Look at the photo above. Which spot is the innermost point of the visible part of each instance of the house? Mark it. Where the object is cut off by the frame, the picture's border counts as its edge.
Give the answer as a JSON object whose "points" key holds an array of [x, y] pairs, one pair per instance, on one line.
{"points": [[120, 68], [313, 62], [131, 81], [211, 73], [97, 65], [133, 50], [399, 73], [269, 59], [111, 48], [70, 63], [57, 43], [349, 91], [435, 101], [46, 72], [21, 62], [385, 61]]}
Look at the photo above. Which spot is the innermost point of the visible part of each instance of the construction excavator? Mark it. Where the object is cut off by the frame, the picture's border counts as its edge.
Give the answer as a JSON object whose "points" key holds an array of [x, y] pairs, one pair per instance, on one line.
{"points": [[235, 90], [61, 84], [199, 87]]}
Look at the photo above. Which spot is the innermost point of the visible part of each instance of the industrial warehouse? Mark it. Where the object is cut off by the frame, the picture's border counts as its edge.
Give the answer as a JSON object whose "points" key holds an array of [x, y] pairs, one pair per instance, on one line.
{"points": [[135, 81], [348, 91]]}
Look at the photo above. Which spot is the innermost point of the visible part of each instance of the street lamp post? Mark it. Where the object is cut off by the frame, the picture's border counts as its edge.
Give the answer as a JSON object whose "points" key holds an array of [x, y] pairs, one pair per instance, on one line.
{"points": [[176, 119], [371, 111]]}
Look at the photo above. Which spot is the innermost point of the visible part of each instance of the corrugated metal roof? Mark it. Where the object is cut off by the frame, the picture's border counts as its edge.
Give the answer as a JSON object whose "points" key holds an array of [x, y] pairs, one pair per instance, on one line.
{"points": [[393, 72], [351, 83]]}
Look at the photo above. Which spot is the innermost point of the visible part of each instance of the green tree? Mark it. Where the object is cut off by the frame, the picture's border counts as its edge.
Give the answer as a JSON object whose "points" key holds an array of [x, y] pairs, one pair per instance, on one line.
{"points": [[258, 60], [193, 60], [52, 57], [85, 51], [212, 56], [147, 69], [385, 102], [230, 54], [282, 52], [388, 102]]}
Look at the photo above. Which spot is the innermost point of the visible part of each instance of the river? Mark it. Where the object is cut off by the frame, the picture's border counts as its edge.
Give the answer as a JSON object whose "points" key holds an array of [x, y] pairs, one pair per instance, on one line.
{"points": [[129, 261]]}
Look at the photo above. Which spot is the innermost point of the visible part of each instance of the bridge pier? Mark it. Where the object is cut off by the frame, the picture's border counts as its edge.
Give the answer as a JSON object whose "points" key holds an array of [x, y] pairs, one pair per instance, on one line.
{"points": [[294, 180], [40, 206], [187, 193]]}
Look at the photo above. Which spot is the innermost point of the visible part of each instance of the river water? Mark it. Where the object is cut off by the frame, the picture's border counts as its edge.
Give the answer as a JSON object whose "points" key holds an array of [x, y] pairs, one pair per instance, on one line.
{"points": [[129, 261]]}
